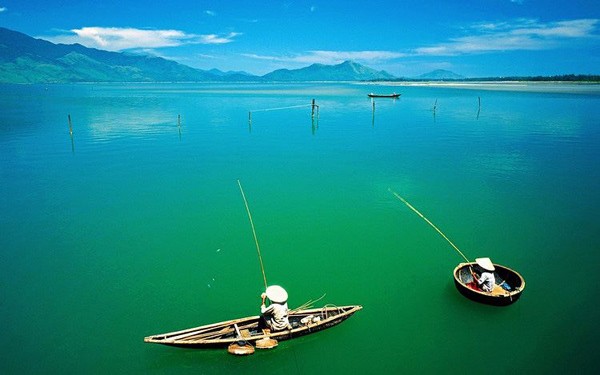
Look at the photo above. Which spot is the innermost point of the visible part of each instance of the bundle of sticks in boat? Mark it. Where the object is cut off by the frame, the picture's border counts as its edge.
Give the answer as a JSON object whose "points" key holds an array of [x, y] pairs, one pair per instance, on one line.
{"points": [[306, 305]]}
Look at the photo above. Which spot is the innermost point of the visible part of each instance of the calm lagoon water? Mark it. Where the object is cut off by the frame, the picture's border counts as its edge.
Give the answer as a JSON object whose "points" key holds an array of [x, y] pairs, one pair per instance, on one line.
{"points": [[135, 225]]}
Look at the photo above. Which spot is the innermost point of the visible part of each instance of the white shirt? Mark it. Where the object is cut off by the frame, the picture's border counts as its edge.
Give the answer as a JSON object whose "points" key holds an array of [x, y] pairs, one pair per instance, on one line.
{"points": [[487, 281], [276, 316]]}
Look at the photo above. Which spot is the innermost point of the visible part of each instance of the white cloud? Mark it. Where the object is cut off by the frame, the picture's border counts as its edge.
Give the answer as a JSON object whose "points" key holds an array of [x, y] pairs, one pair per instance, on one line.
{"points": [[210, 13], [339, 56], [520, 34], [118, 39], [218, 39], [2, 9], [332, 57]]}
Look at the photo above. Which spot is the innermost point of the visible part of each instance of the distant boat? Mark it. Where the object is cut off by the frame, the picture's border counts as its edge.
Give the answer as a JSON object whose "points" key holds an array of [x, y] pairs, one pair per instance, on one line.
{"points": [[393, 96], [223, 334], [507, 290]]}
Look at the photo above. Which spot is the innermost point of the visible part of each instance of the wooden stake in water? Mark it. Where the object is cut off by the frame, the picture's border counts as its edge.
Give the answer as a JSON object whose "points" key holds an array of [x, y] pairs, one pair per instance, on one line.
{"points": [[373, 113], [262, 268], [179, 125], [428, 222]]}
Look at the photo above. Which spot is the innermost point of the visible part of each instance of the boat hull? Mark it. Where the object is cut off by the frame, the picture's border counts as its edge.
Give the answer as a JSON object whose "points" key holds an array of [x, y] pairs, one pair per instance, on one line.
{"points": [[393, 96], [223, 334], [499, 296]]}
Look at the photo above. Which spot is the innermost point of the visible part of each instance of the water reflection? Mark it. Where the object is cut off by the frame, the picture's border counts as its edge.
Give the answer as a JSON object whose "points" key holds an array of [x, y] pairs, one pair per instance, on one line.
{"points": [[71, 134], [119, 123], [179, 125], [72, 143], [373, 113]]}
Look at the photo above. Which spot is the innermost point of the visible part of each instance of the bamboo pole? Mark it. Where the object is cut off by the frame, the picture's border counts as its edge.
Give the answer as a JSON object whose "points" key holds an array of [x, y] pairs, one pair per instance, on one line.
{"points": [[317, 107], [429, 222], [262, 268]]}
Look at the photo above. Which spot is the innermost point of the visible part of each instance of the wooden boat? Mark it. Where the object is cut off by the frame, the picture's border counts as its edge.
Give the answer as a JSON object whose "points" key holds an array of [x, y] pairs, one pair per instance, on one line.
{"points": [[394, 95], [223, 334], [507, 290]]}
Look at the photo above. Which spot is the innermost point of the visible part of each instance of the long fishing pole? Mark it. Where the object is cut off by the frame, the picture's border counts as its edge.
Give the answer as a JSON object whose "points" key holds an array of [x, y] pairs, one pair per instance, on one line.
{"points": [[429, 222], [262, 268]]}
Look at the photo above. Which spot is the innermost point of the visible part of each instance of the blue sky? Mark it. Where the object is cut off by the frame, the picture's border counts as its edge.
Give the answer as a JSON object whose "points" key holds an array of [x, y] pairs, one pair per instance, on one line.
{"points": [[475, 38]]}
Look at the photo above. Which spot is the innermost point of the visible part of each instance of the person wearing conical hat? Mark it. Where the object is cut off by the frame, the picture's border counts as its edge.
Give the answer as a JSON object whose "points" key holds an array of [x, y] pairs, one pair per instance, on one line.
{"points": [[276, 315], [486, 279]]}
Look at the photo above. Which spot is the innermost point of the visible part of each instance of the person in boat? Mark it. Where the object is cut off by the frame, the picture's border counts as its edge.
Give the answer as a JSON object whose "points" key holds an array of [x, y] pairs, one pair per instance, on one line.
{"points": [[486, 280], [276, 315]]}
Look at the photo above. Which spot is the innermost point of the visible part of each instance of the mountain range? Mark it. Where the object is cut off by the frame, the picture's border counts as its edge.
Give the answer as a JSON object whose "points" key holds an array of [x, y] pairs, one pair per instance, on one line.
{"points": [[346, 71], [24, 59]]}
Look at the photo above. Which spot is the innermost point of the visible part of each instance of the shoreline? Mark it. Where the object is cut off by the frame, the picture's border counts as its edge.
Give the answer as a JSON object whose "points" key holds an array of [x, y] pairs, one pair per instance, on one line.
{"points": [[557, 87], [523, 86]]}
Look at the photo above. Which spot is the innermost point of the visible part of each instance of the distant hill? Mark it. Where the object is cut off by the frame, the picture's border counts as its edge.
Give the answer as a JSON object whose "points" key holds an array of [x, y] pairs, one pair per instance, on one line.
{"points": [[24, 59], [440, 74], [346, 71], [230, 73]]}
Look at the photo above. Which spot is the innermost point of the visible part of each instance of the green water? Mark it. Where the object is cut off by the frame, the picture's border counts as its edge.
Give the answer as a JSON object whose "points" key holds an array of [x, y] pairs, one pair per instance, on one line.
{"points": [[135, 225]]}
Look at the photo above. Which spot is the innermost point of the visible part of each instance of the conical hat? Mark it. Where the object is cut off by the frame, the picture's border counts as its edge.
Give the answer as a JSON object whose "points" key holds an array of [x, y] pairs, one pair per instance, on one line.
{"points": [[276, 294], [486, 264]]}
